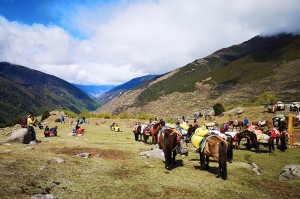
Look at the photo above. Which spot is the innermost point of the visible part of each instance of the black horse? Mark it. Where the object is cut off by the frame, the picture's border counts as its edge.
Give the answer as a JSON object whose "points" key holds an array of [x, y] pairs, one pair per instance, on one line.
{"points": [[252, 139], [229, 140]]}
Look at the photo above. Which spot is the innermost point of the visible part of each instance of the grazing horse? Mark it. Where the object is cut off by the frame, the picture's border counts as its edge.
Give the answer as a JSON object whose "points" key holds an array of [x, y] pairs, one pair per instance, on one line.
{"points": [[137, 132], [215, 147], [169, 142], [153, 132]]}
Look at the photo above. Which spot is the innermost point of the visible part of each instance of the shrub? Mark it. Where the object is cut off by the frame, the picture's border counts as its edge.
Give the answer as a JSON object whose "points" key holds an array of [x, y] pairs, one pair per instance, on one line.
{"points": [[218, 109], [266, 98], [57, 120], [45, 115]]}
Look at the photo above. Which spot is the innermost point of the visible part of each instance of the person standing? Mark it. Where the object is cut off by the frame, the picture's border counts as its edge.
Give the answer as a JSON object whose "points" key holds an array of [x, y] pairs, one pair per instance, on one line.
{"points": [[30, 126], [282, 129], [62, 119], [226, 127], [246, 122]]}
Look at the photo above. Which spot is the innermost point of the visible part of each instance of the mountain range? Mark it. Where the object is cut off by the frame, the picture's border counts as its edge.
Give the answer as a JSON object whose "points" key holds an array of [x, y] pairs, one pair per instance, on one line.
{"points": [[24, 90], [237, 75], [94, 90], [119, 90]]}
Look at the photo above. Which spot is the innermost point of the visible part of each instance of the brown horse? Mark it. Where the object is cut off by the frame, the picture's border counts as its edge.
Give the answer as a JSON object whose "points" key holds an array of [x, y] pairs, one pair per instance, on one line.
{"points": [[215, 147], [168, 143], [236, 124], [190, 132], [153, 132], [265, 123]]}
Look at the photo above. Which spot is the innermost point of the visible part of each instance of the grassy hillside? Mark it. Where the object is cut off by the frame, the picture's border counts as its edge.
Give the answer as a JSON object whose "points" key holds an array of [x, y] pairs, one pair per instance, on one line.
{"points": [[233, 76], [24, 90]]}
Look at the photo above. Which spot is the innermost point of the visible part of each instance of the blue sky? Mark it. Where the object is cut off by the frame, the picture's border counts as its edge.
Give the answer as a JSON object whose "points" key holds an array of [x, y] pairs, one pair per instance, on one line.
{"points": [[112, 41]]}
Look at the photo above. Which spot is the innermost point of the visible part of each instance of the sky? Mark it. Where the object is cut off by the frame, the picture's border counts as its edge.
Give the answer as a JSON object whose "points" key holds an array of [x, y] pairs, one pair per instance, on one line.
{"points": [[109, 42]]}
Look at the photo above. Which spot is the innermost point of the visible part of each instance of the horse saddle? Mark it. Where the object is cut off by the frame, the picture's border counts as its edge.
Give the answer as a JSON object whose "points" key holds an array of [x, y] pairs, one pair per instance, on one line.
{"points": [[202, 144], [261, 123]]}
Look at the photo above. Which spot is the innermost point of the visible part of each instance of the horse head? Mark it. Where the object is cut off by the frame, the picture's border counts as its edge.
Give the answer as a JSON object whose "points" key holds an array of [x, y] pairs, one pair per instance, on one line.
{"points": [[155, 128]]}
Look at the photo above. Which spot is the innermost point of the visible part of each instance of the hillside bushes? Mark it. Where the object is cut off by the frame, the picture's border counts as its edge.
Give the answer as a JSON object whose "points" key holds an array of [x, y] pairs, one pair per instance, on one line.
{"points": [[266, 98], [218, 109]]}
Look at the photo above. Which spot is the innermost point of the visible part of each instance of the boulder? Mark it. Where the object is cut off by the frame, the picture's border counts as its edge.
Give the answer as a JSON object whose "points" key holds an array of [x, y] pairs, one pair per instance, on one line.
{"points": [[41, 196], [83, 155], [290, 171], [20, 135]]}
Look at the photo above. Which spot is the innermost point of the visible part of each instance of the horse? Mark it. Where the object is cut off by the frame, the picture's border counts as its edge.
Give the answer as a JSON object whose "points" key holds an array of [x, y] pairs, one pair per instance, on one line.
{"points": [[154, 129], [229, 140], [153, 132], [236, 123], [252, 138], [215, 147], [137, 132], [264, 123], [169, 141], [190, 132]]}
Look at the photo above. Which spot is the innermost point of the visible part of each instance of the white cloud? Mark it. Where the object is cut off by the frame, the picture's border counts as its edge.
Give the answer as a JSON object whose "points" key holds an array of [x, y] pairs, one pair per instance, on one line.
{"points": [[136, 38]]}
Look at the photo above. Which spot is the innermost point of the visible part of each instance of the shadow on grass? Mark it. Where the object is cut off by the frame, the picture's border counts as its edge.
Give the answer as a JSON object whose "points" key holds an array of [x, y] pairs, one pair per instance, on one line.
{"points": [[211, 169]]}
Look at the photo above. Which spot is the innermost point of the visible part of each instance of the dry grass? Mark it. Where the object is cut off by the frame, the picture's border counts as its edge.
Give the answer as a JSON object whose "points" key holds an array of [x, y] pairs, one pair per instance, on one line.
{"points": [[115, 169]]}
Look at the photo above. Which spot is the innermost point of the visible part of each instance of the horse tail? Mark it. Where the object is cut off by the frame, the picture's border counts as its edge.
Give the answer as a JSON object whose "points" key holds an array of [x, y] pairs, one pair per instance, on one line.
{"points": [[167, 141], [167, 148], [230, 149], [223, 159]]}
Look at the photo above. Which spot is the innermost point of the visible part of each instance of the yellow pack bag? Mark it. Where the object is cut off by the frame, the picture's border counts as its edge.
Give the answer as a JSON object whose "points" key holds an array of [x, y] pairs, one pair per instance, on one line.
{"points": [[184, 126], [196, 140], [202, 131]]}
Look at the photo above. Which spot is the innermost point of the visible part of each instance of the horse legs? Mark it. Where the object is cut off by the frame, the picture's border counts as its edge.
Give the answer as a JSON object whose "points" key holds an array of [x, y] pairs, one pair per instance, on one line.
{"points": [[230, 150], [248, 144], [238, 142], [222, 169], [202, 160], [174, 157], [145, 139], [168, 160], [136, 136], [282, 142], [277, 142], [271, 144], [154, 139]]}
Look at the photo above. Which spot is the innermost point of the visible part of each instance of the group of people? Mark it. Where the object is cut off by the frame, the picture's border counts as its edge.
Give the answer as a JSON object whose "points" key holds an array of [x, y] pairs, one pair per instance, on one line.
{"points": [[281, 135]]}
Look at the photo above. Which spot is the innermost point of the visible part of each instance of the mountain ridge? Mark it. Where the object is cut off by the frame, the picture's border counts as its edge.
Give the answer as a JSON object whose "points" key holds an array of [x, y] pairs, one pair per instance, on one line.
{"points": [[26, 90], [118, 90], [234, 75]]}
